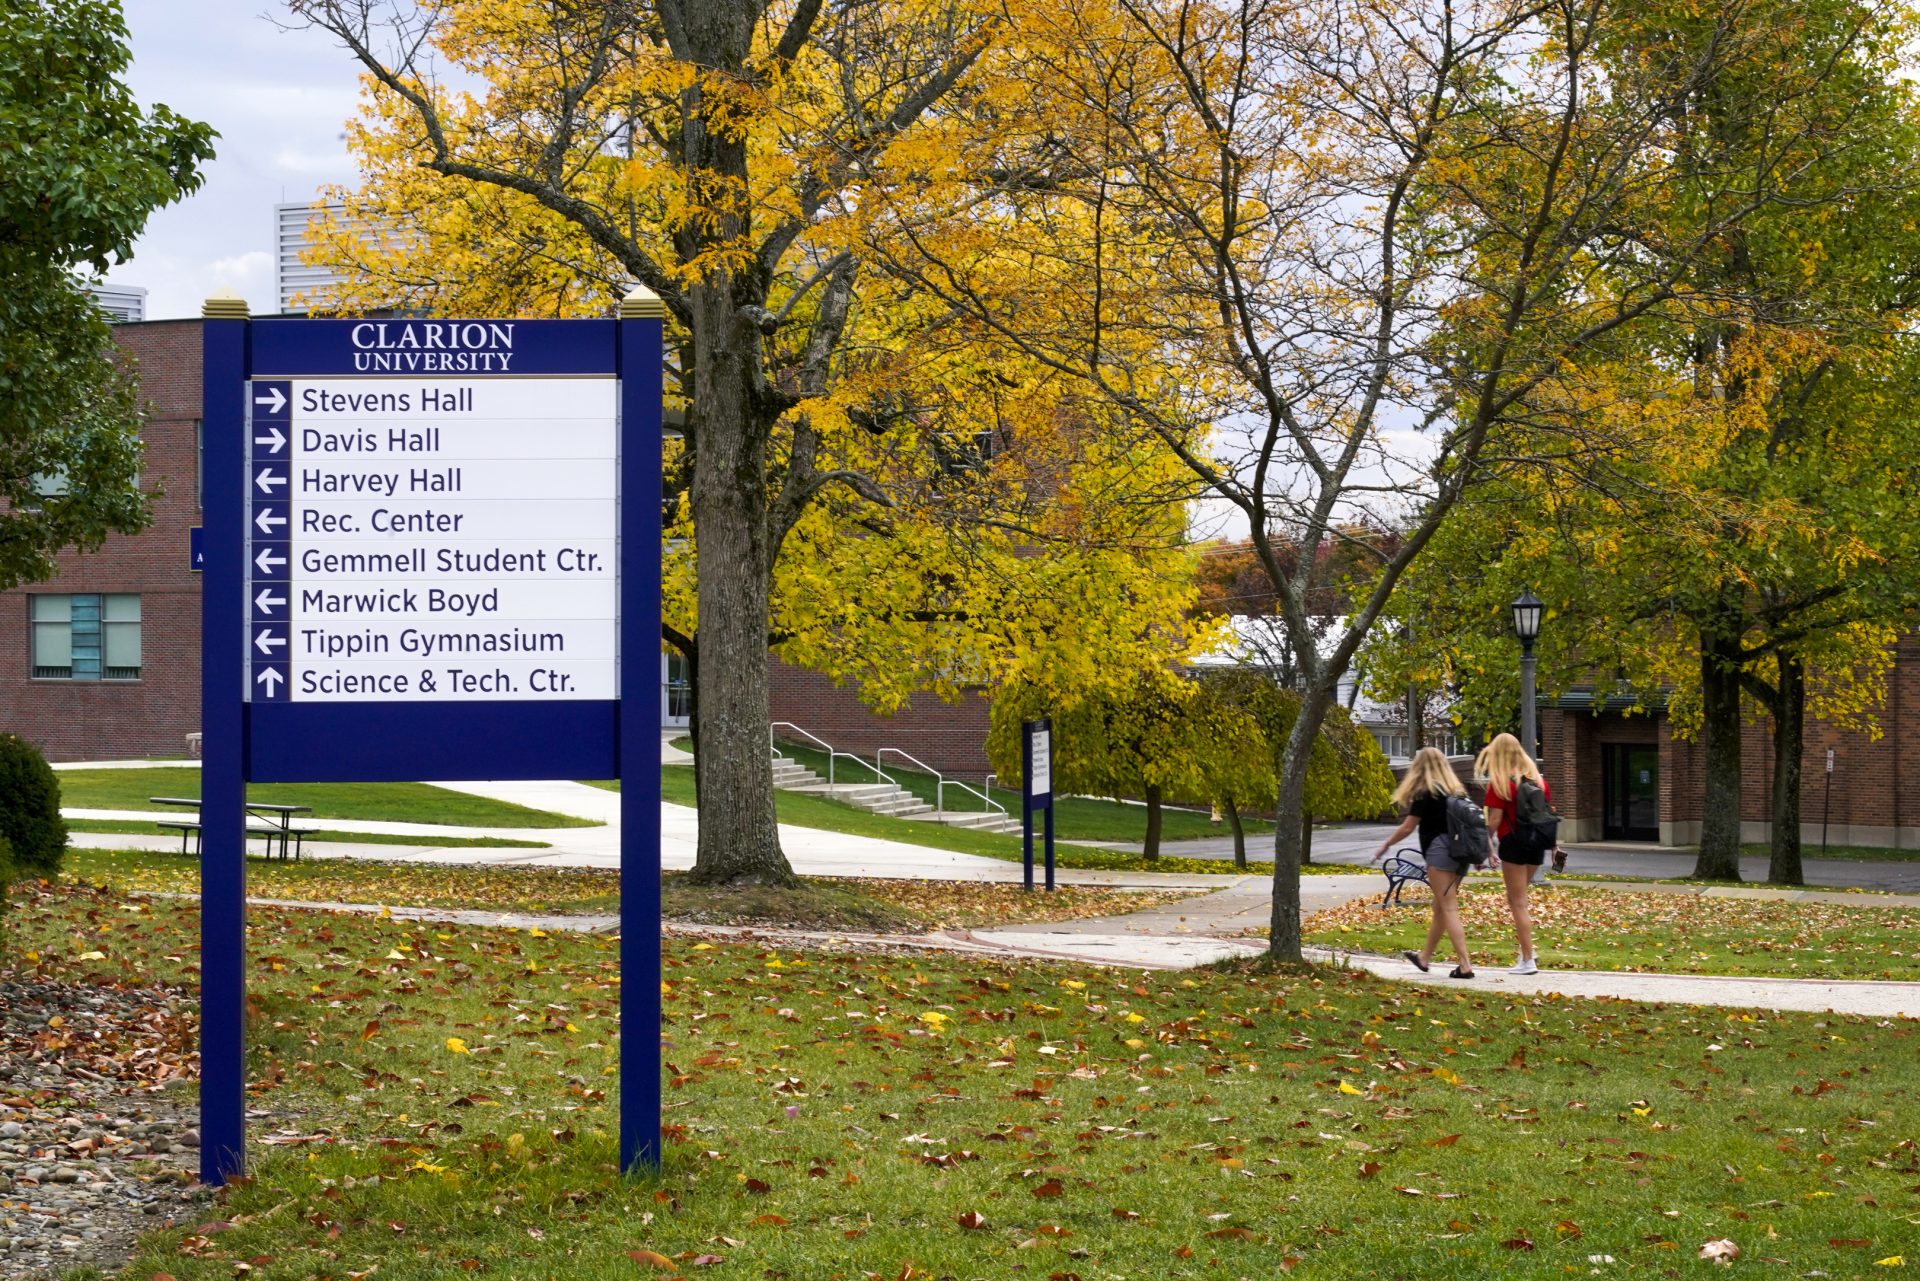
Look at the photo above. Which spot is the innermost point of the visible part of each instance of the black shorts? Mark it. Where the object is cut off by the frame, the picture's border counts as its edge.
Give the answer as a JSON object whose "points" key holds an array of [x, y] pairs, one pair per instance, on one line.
{"points": [[1520, 857]]}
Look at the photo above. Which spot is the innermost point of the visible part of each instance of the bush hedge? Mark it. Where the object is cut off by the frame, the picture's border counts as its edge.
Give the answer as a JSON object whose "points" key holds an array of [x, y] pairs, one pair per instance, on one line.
{"points": [[30, 819]]}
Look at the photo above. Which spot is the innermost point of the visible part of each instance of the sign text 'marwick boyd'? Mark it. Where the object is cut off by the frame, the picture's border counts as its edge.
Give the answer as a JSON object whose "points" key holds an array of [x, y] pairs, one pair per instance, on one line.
{"points": [[432, 347]]}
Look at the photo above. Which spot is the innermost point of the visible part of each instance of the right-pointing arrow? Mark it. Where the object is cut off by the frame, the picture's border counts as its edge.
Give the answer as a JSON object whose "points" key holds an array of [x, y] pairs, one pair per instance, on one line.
{"points": [[270, 678], [274, 399], [267, 561], [273, 440]]}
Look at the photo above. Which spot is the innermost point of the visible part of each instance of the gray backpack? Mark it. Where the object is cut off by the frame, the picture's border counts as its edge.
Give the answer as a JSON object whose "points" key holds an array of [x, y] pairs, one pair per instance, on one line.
{"points": [[1536, 828]]}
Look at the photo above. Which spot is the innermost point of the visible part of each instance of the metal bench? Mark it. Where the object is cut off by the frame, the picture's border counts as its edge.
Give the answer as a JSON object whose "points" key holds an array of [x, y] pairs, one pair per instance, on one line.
{"points": [[288, 839], [1403, 867]]}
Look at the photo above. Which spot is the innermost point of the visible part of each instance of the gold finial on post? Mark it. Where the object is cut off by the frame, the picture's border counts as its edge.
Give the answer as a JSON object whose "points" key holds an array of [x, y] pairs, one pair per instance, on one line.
{"points": [[642, 304], [225, 305]]}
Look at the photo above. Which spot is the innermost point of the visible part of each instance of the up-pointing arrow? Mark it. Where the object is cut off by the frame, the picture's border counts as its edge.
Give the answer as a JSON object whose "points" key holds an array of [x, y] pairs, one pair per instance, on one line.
{"points": [[266, 642], [274, 399], [267, 561], [273, 440], [267, 479], [270, 678], [266, 520], [267, 601]]}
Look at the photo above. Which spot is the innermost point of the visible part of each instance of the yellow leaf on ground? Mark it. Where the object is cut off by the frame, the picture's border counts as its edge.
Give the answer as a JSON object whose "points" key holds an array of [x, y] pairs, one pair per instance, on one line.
{"points": [[457, 1046]]}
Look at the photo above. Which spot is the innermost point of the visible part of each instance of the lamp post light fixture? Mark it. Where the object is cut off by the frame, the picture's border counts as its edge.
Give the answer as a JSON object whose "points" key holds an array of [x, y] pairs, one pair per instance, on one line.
{"points": [[1527, 612]]}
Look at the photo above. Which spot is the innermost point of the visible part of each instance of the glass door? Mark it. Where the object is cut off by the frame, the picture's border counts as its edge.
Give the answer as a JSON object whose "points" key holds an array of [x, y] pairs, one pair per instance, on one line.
{"points": [[1630, 783]]}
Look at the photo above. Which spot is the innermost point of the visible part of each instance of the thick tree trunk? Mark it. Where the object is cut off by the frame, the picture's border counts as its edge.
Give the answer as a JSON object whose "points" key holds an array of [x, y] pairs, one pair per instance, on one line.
{"points": [[1719, 858], [1789, 740], [1239, 833], [1152, 848], [739, 836], [1306, 838]]}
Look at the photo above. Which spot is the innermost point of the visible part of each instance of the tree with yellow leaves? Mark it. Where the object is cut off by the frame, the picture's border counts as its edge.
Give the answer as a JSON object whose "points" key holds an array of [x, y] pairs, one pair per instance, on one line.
{"points": [[868, 503], [1327, 250], [1749, 531]]}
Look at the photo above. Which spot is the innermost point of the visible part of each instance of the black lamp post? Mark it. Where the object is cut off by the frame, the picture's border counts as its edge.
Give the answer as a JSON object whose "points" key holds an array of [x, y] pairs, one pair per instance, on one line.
{"points": [[1526, 625]]}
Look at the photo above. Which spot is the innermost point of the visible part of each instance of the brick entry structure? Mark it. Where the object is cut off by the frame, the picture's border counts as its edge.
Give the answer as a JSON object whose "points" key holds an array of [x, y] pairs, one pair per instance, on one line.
{"points": [[1595, 755], [949, 737]]}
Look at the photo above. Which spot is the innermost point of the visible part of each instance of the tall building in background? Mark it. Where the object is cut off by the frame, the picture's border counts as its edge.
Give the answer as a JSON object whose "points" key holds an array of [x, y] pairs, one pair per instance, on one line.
{"points": [[124, 304], [292, 278]]}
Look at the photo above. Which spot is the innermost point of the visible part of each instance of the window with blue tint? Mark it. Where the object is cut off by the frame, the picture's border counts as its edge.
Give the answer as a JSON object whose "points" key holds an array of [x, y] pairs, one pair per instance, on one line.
{"points": [[85, 636]]}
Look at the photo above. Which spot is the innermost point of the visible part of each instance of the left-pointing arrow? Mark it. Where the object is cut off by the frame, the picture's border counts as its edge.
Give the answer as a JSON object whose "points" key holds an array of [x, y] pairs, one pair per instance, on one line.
{"points": [[273, 440], [270, 678], [268, 479], [267, 561], [274, 399], [266, 642], [266, 520]]}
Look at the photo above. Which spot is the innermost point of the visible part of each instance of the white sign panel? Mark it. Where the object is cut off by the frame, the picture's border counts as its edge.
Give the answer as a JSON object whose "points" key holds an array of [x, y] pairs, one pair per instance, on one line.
{"points": [[432, 539], [1040, 768]]}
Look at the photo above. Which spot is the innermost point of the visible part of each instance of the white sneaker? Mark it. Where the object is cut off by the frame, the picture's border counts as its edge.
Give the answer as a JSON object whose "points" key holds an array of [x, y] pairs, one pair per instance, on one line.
{"points": [[1526, 966]]}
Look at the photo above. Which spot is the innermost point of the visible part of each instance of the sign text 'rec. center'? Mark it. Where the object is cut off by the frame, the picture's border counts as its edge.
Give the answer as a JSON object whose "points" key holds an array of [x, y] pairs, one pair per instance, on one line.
{"points": [[431, 538]]}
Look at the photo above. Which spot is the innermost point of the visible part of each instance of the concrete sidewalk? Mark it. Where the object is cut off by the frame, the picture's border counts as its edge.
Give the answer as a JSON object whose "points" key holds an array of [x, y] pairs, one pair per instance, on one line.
{"points": [[1161, 952]]}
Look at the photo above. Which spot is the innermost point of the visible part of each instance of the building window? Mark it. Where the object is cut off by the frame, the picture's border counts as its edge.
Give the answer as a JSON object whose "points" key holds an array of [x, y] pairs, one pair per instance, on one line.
{"points": [[86, 637]]}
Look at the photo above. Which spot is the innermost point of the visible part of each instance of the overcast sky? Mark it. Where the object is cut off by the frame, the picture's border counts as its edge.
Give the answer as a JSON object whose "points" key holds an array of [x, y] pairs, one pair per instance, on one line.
{"points": [[277, 98]]}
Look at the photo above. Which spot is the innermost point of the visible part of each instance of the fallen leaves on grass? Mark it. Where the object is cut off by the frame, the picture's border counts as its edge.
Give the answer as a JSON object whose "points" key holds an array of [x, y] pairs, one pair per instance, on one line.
{"points": [[1658, 932]]}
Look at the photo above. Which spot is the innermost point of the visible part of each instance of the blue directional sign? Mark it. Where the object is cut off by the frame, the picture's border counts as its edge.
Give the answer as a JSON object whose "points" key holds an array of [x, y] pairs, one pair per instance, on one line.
{"points": [[1036, 793], [428, 536]]}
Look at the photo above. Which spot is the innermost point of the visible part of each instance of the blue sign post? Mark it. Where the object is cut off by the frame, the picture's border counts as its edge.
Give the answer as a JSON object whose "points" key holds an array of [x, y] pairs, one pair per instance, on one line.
{"points": [[1036, 792], [429, 539]]}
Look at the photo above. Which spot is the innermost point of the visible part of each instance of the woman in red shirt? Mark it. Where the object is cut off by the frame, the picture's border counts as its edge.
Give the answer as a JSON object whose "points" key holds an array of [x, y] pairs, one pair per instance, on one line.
{"points": [[1505, 765]]}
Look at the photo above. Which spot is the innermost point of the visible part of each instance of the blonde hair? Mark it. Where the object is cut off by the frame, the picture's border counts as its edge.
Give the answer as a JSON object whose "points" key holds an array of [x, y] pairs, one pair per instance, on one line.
{"points": [[1428, 774], [1501, 762]]}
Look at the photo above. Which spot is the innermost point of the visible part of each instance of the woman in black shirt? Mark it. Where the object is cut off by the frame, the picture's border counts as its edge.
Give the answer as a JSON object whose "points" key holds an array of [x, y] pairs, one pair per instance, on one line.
{"points": [[1423, 795]]}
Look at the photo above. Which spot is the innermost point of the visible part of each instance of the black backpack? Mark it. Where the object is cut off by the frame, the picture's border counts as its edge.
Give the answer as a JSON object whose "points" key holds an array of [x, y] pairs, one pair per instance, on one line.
{"points": [[1467, 838], [1536, 828]]}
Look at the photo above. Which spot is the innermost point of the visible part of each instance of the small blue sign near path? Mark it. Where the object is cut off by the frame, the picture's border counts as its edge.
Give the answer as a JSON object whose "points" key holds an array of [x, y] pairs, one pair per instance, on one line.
{"points": [[196, 549], [1036, 793], [429, 537]]}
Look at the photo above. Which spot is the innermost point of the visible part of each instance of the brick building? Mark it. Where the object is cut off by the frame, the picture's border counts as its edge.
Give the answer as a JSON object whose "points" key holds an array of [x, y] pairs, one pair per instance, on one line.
{"points": [[1627, 777], [104, 659]]}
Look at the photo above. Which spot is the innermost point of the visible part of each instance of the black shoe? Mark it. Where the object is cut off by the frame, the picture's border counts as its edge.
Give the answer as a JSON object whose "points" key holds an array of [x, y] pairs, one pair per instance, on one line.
{"points": [[1458, 973], [1413, 958]]}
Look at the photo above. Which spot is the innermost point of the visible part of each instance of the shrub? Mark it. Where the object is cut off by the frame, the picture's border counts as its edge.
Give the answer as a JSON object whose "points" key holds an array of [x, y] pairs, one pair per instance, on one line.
{"points": [[30, 809]]}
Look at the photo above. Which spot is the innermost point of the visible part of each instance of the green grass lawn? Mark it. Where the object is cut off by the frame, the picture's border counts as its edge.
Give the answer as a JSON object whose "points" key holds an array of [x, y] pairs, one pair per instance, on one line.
{"points": [[129, 789], [1596, 929], [850, 1115], [145, 828], [819, 903], [1076, 818], [805, 810]]}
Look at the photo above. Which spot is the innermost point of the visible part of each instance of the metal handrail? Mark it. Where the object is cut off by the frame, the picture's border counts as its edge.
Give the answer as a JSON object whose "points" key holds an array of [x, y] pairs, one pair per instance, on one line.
{"points": [[940, 782], [833, 755]]}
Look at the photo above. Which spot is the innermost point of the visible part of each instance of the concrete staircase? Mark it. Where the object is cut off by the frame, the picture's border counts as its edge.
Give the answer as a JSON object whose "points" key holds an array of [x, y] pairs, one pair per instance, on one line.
{"points": [[889, 799]]}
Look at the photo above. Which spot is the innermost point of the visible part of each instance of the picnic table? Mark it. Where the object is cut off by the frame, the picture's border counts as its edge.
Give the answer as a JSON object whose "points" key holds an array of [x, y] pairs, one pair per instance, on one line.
{"points": [[273, 823]]}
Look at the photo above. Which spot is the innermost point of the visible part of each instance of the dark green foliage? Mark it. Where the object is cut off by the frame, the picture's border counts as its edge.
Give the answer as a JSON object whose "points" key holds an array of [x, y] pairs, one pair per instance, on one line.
{"points": [[30, 819], [83, 167]]}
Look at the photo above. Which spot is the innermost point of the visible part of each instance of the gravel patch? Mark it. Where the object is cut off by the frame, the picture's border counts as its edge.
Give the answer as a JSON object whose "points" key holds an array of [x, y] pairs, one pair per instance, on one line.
{"points": [[95, 1147]]}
